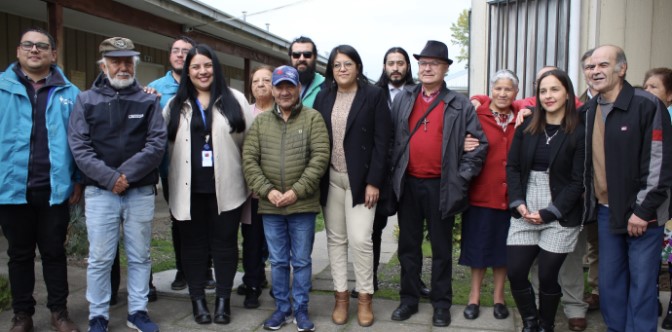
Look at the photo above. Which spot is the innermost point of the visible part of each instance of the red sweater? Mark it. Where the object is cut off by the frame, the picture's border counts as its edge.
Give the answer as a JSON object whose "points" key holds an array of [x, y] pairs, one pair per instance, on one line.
{"points": [[488, 189], [425, 146]]}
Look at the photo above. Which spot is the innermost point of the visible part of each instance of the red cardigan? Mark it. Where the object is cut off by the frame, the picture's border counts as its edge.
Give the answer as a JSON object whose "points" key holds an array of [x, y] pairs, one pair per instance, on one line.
{"points": [[488, 189]]}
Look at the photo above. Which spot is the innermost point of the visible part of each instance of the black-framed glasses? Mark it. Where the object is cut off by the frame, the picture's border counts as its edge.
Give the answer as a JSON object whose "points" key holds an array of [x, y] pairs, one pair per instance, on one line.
{"points": [[28, 46], [306, 54]]}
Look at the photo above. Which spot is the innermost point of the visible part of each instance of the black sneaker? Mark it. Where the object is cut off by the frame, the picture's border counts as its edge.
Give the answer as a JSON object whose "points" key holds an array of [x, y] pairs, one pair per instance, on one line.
{"points": [[252, 298], [242, 289], [152, 295], [179, 283]]}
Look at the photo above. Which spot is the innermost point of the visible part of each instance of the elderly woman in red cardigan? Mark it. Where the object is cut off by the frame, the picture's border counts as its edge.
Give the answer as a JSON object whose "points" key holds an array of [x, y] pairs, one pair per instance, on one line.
{"points": [[485, 224]]}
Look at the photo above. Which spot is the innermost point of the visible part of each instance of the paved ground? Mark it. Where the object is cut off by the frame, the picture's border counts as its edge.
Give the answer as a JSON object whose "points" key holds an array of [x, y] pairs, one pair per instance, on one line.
{"points": [[173, 309]]}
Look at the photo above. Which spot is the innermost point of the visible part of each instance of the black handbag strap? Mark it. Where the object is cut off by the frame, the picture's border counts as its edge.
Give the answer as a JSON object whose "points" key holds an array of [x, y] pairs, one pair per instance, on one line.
{"points": [[431, 107]]}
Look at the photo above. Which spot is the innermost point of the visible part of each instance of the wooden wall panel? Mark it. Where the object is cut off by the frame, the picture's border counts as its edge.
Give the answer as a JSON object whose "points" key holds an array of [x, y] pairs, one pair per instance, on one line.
{"points": [[11, 27], [5, 49]]}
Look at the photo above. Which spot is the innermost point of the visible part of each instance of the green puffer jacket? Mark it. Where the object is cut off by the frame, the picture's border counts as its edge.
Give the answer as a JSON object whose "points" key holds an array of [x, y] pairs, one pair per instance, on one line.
{"points": [[287, 155]]}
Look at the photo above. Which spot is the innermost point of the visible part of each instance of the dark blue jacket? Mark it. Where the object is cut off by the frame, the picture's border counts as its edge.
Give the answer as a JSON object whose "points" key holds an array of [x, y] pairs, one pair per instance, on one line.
{"points": [[638, 158], [114, 132]]}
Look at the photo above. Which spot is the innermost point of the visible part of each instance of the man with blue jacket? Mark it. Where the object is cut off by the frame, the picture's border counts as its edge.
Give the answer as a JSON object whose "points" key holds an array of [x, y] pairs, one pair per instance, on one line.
{"points": [[117, 137], [37, 176]]}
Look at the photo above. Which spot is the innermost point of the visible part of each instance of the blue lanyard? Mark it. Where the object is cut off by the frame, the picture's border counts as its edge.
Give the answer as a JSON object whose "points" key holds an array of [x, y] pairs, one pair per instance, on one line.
{"points": [[206, 146], [200, 108]]}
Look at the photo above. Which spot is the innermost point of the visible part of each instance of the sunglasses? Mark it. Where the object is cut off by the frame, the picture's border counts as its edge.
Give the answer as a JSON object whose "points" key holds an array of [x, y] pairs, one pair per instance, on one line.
{"points": [[307, 54]]}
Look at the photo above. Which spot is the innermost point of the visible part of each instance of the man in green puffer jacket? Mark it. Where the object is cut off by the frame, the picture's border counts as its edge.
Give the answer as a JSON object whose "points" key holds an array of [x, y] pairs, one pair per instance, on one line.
{"points": [[285, 154]]}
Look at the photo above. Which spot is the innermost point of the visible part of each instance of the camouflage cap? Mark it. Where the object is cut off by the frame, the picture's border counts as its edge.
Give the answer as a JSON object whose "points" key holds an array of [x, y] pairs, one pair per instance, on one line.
{"points": [[117, 47]]}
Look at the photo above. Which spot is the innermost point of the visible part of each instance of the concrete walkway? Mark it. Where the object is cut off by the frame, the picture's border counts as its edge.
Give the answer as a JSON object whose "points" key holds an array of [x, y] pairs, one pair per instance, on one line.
{"points": [[173, 309]]}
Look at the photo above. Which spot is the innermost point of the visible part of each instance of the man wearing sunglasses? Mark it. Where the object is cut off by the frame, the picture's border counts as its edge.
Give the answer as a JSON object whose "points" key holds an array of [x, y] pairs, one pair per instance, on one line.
{"points": [[303, 57], [37, 183]]}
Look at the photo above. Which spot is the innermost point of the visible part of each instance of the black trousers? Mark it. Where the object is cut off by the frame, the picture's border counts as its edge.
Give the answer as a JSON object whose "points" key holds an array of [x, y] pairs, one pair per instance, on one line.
{"points": [[379, 223], [255, 250], [31, 225], [419, 203], [209, 232]]}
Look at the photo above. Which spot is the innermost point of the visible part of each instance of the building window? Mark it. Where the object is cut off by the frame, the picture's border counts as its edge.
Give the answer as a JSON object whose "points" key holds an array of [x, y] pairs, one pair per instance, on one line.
{"points": [[525, 35]]}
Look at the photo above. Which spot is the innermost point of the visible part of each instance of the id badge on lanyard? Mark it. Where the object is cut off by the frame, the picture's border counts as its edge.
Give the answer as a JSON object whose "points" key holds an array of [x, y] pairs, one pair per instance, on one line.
{"points": [[206, 153]]}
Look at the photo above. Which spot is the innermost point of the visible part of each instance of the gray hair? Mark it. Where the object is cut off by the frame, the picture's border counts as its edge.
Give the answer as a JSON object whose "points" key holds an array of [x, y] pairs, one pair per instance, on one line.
{"points": [[620, 59], [504, 74], [136, 60], [586, 56]]}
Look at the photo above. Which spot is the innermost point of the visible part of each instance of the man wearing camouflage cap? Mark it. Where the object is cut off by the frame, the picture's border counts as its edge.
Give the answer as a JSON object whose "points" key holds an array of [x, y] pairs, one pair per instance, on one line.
{"points": [[117, 137]]}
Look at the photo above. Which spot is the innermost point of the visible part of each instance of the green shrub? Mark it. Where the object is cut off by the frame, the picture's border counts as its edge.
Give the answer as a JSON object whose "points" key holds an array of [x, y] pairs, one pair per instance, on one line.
{"points": [[77, 242]]}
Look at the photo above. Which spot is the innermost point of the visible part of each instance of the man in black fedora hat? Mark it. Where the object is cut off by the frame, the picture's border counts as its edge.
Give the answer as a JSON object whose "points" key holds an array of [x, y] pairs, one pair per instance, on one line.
{"points": [[431, 176]]}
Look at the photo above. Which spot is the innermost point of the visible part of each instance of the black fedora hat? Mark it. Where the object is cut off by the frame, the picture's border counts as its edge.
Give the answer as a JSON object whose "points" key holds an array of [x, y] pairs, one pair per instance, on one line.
{"points": [[434, 49]]}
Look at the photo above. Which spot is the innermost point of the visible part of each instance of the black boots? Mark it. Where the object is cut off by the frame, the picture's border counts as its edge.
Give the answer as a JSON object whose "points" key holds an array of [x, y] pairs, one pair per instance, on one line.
{"points": [[222, 311], [528, 309], [201, 312], [548, 306]]}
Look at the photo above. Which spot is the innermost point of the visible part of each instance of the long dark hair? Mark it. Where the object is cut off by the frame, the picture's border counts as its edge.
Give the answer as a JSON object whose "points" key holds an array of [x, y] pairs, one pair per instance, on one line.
{"points": [[219, 93], [351, 53], [571, 118], [384, 80]]}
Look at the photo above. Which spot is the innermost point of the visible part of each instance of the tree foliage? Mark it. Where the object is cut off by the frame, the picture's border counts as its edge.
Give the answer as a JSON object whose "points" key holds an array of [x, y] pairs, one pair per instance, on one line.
{"points": [[460, 35]]}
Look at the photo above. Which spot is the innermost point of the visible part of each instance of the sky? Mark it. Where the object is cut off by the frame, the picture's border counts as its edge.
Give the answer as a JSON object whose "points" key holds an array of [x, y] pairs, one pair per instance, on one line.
{"points": [[370, 26]]}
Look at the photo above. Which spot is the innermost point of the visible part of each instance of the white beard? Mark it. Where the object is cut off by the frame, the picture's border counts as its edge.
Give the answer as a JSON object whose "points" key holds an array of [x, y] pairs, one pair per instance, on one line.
{"points": [[119, 83]]}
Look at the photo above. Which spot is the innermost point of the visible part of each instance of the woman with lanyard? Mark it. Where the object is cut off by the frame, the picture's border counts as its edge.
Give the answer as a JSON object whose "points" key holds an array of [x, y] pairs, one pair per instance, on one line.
{"points": [[207, 122]]}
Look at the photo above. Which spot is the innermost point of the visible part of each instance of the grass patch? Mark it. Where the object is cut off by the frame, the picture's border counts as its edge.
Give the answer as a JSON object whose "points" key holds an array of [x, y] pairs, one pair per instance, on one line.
{"points": [[319, 223], [163, 257], [389, 278], [5, 294]]}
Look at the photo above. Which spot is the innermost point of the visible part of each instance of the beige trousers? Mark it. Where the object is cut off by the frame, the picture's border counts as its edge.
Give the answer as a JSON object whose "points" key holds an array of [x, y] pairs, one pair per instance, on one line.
{"points": [[345, 225]]}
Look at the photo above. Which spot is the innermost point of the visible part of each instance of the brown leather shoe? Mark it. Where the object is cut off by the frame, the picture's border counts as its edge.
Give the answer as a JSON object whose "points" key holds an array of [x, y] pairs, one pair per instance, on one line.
{"points": [[577, 324], [593, 301], [340, 314], [365, 309], [60, 321], [22, 322]]}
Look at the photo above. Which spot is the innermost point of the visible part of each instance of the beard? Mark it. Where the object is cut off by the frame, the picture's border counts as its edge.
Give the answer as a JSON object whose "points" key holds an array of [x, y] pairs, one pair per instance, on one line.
{"points": [[120, 83], [177, 71], [306, 76], [397, 82]]}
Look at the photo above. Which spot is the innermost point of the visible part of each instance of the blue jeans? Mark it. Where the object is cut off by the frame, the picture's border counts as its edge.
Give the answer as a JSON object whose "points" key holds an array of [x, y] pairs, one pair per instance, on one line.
{"points": [[290, 241], [628, 270], [105, 214]]}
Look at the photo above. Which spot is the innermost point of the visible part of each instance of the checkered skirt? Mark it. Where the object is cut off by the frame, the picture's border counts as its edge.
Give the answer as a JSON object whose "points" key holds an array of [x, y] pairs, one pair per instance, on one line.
{"points": [[551, 237]]}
